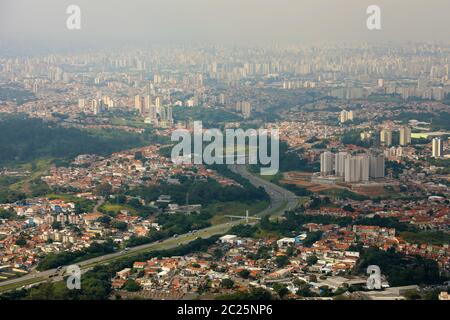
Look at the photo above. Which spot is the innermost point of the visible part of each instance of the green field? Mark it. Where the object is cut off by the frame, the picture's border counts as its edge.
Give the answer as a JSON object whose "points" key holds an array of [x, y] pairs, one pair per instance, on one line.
{"points": [[427, 237], [219, 210], [132, 122], [116, 208]]}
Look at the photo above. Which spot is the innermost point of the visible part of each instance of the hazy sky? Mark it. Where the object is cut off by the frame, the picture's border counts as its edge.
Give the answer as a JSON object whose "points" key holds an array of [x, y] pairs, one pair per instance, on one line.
{"points": [[224, 21]]}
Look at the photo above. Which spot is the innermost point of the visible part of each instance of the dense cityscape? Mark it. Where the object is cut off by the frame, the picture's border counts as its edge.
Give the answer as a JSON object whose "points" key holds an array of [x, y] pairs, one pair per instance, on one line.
{"points": [[87, 177]]}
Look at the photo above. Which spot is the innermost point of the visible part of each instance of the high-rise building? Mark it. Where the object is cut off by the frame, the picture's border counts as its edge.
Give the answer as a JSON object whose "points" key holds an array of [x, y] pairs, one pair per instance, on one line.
{"points": [[153, 115], [377, 166], [364, 161], [81, 104], [147, 101], [405, 136], [246, 109], [437, 148], [339, 163], [157, 78], [345, 116], [357, 168], [137, 102], [386, 137], [158, 103], [108, 102], [97, 106], [326, 163]]}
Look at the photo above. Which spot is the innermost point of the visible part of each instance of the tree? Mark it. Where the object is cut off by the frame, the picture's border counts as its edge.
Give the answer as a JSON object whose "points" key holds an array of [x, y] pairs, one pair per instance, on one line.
{"points": [[131, 286], [304, 290], [119, 225], [244, 273], [290, 251], [21, 241], [217, 254], [281, 290], [104, 220], [139, 156], [282, 261], [227, 283], [7, 214], [104, 189], [311, 260], [312, 237]]}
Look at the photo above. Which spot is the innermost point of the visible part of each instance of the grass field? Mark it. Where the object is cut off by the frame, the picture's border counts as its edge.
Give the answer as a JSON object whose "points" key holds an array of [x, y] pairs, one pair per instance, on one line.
{"points": [[133, 122], [219, 210], [116, 208]]}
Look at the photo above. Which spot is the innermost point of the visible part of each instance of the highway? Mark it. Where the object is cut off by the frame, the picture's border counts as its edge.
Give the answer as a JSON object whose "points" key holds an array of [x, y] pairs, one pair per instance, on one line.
{"points": [[278, 195], [281, 200]]}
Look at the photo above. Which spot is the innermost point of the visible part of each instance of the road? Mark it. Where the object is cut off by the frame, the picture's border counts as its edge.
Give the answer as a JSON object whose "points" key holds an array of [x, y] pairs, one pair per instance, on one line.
{"points": [[281, 200], [278, 195]]}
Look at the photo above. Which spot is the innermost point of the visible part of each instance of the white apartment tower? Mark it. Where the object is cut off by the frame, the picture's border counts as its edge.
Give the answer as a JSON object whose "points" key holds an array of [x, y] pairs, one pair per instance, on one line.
{"points": [[339, 163], [357, 168], [405, 136], [377, 166], [326, 163], [386, 137], [437, 148]]}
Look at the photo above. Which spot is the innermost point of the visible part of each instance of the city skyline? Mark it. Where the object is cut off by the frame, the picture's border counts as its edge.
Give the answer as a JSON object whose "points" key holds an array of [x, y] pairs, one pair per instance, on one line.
{"points": [[224, 150]]}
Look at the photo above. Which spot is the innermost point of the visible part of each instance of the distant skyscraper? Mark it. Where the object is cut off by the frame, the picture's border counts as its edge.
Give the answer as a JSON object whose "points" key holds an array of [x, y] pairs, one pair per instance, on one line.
{"points": [[405, 136], [157, 78], [222, 99], [386, 137], [108, 102], [437, 148], [357, 168], [158, 103], [97, 106], [147, 102], [339, 163], [246, 109], [377, 166], [326, 163], [137, 102], [345, 116], [153, 115], [81, 104]]}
